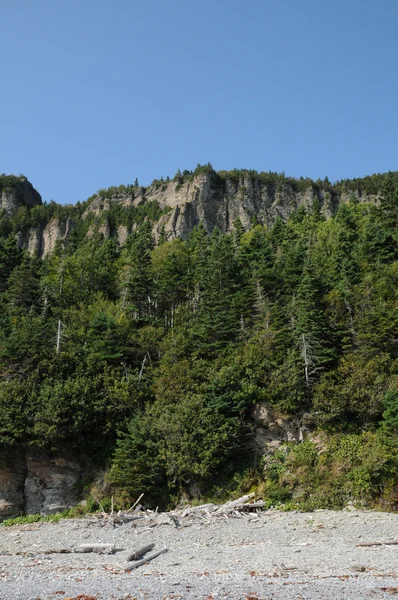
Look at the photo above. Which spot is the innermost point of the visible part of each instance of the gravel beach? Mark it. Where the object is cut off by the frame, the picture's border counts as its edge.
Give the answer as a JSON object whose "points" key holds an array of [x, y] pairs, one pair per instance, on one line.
{"points": [[264, 556]]}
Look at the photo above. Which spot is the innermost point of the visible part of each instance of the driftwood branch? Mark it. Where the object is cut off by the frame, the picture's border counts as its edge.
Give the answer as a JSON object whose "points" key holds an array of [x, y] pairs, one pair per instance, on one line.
{"points": [[368, 544], [97, 548], [98, 502], [141, 518], [229, 506], [136, 554], [139, 563], [135, 503]]}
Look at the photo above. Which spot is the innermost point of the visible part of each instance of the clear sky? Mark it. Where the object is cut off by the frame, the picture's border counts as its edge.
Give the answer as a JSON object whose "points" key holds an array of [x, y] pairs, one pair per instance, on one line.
{"points": [[98, 92]]}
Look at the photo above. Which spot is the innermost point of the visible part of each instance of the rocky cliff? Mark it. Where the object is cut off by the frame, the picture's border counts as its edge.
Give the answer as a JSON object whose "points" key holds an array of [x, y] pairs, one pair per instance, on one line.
{"points": [[16, 192], [216, 201], [210, 198], [41, 239], [36, 483]]}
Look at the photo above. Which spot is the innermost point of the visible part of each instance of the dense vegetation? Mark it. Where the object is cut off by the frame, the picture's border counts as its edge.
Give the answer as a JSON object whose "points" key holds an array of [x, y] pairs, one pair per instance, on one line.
{"points": [[150, 358]]}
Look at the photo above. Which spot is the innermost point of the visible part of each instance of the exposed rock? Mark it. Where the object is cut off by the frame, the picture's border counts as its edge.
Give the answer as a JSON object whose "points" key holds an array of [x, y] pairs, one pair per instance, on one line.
{"points": [[12, 477], [42, 240], [38, 484], [215, 202], [122, 234], [272, 429], [53, 232], [103, 228], [17, 192], [50, 484], [207, 198]]}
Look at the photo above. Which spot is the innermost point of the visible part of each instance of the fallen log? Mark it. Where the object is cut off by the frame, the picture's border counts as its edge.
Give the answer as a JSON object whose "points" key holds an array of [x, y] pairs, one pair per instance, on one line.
{"points": [[231, 505], [368, 544], [191, 510], [110, 548], [139, 563], [136, 554], [252, 506], [56, 551]]}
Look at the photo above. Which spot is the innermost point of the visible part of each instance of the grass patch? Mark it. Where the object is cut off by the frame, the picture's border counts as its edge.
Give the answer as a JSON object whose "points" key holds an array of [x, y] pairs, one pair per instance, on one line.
{"points": [[71, 513]]}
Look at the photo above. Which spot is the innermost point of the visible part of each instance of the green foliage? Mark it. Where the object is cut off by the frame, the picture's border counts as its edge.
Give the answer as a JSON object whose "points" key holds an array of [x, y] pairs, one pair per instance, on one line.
{"points": [[27, 519], [359, 469], [151, 358], [10, 182], [173, 447], [354, 394], [390, 414], [71, 513]]}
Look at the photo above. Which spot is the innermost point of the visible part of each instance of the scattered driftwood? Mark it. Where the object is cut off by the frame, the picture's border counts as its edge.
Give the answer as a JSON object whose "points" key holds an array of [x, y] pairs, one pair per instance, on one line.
{"points": [[143, 519], [136, 554], [135, 504], [208, 512], [232, 506], [56, 551], [101, 548], [368, 544], [139, 563], [83, 549]]}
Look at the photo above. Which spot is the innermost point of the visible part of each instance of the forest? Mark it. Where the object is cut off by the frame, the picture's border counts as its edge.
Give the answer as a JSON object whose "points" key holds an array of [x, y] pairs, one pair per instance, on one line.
{"points": [[147, 359]]}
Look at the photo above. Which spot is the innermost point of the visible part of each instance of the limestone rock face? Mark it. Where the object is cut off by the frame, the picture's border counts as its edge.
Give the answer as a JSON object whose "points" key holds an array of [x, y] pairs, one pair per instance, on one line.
{"points": [[22, 193], [42, 240], [216, 202], [36, 483], [207, 198]]}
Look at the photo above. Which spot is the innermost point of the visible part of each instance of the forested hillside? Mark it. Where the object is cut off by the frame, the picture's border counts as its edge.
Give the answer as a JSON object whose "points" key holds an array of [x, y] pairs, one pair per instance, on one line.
{"points": [[150, 358]]}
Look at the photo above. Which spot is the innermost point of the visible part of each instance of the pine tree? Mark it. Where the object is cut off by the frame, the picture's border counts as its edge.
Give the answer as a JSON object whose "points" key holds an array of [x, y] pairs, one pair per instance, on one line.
{"points": [[218, 319], [136, 285], [10, 258], [311, 332], [23, 293], [389, 202]]}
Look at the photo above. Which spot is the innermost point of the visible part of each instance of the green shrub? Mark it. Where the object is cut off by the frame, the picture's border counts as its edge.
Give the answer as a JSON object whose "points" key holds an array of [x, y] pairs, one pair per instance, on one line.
{"points": [[360, 468]]}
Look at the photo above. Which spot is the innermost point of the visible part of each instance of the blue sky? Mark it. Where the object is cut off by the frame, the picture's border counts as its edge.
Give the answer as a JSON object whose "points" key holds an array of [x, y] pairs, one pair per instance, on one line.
{"points": [[96, 93]]}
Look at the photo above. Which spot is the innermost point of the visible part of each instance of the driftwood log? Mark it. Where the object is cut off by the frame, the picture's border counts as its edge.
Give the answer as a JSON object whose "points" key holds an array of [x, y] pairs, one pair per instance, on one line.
{"points": [[229, 506], [139, 563], [110, 548], [136, 554], [368, 544]]}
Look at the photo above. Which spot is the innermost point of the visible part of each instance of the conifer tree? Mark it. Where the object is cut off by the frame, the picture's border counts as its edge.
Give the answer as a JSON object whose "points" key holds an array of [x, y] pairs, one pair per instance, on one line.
{"points": [[311, 332], [389, 202]]}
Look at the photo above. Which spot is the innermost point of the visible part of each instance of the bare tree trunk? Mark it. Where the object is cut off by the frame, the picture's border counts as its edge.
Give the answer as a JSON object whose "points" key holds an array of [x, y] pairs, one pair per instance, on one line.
{"points": [[305, 357], [142, 368], [59, 335]]}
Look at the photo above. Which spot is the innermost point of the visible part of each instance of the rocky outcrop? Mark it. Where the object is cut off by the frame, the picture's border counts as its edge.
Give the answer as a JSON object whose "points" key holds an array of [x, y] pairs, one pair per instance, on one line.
{"points": [[37, 483], [272, 429], [217, 202], [42, 240], [207, 198], [16, 192], [12, 479]]}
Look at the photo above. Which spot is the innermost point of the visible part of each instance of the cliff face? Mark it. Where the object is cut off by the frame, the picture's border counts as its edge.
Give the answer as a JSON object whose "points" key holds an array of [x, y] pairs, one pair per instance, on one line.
{"points": [[35, 483], [42, 239], [217, 203], [206, 198], [16, 192]]}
